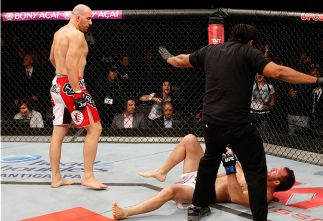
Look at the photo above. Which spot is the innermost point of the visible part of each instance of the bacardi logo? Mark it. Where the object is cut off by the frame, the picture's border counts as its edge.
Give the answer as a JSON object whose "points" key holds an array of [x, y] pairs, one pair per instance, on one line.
{"points": [[9, 16], [67, 14]]}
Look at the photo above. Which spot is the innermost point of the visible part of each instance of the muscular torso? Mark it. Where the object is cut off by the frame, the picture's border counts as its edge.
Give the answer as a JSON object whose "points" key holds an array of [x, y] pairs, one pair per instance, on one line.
{"points": [[61, 46], [221, 186]]}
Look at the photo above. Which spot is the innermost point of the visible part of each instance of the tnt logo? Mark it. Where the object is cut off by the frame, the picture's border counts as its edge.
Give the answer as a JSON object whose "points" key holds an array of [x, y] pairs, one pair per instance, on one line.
{"points": [[215, 41], [216, 33]]}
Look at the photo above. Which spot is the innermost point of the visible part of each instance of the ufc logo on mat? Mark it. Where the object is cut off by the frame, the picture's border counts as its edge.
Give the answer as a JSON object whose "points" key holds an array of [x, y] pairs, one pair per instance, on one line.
{"points": [[315, 201]]}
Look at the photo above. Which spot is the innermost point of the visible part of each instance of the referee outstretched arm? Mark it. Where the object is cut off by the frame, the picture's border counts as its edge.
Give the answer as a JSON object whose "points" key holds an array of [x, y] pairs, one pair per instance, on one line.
{"points": [[272, 69], [180, 61], [289, 75]]}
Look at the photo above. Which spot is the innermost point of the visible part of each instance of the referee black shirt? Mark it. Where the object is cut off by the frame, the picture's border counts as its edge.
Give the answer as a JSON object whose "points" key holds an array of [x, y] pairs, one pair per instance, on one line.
{"points": [[230, 72]]}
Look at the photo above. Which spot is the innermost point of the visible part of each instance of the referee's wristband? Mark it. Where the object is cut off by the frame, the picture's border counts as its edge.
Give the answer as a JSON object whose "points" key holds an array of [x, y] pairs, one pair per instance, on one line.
{"points": [[230, 169]]}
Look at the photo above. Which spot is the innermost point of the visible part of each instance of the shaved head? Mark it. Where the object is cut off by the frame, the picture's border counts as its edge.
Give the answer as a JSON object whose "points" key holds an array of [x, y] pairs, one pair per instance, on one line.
{"points": [[80, 10], [81, 17]]}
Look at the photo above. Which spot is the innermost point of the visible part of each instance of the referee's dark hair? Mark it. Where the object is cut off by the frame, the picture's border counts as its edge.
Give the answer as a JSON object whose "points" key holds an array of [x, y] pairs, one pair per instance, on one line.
{"points": [[245, 33]]}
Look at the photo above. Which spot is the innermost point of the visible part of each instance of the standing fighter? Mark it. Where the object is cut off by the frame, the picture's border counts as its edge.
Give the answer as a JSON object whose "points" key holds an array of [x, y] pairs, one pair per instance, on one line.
{"points": [[230, 70], [70, 99]]}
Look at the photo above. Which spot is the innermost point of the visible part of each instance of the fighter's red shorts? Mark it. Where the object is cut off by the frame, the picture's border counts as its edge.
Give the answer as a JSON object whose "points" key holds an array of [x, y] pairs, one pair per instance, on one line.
{"points": [[63, 104]]}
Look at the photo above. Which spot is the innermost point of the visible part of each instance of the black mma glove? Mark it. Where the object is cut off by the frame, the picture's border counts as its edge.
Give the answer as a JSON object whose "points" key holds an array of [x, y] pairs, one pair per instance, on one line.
{"points": [[79, 101], [319, 81], [164, 53], [229, 162], [235, 156]]}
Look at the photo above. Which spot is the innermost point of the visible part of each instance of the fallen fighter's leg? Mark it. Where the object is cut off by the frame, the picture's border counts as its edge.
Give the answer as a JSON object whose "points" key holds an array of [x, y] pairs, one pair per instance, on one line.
{"points": [[189, 150]]}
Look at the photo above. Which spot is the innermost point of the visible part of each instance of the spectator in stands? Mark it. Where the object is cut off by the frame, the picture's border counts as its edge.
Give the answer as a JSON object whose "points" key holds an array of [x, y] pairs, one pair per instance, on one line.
{"points": [[129, 76], [36, 60], [128, 119], [148, 63], [158, 99], [109, 97], [147, 78], [32, 83], [89, 36], [36, 120], [317, 99], [299, 107], [106, 57], [262, 100], [21, 53], [26, 82], [304, 63], [125, 67], [264, 49], [166, 121], [44, 58]]}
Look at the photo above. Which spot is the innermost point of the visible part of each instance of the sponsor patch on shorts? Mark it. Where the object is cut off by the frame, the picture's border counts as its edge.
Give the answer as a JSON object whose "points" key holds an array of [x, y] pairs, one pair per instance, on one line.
{"points": [[77, 117]]}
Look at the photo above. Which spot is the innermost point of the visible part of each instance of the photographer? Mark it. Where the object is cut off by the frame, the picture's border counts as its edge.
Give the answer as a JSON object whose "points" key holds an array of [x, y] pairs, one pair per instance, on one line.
{"points": [[263, 99], [110, 97]]}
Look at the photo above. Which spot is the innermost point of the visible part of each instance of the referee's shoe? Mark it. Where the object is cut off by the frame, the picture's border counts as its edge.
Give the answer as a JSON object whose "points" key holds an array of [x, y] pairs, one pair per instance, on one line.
{"points": [[195, 214]]}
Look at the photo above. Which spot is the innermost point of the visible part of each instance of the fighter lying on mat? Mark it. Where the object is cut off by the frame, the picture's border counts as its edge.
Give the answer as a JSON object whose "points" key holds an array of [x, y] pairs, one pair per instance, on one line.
{"points": [[231, 187]]}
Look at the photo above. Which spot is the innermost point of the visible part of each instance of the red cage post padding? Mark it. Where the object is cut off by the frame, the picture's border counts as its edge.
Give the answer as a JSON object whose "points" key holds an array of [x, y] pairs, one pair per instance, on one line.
{"points": [[216, 33]]}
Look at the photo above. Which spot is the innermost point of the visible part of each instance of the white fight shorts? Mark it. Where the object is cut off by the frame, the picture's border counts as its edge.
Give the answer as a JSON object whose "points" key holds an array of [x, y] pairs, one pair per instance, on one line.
{"points": [[63, 104], [189, 180]]}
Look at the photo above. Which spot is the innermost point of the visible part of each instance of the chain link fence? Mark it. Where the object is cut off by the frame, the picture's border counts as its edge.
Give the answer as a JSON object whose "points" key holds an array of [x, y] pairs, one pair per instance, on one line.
{"points": [[123, 64]]}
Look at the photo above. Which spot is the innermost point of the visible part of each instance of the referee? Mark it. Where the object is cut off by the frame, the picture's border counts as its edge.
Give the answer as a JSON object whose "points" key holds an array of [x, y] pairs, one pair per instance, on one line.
{"points": [[230, 70]]}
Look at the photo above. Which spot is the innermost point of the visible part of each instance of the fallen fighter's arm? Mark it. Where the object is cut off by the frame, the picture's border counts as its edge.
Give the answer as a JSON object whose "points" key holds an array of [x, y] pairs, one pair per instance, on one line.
{"points": [[237, 195]]}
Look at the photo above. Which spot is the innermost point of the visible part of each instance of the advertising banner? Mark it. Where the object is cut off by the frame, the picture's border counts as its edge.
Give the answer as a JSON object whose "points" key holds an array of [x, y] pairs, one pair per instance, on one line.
{"points": [[57, 15]]}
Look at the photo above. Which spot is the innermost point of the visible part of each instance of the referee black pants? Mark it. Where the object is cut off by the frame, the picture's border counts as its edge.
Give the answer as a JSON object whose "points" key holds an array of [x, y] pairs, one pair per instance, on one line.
{"points": [[247, 143]]}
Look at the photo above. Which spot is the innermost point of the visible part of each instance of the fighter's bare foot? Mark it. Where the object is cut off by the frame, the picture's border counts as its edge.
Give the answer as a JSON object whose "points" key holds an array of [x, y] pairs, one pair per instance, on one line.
{"points": [[118, 213], [61, 181], [93, 183], [154, 173]]}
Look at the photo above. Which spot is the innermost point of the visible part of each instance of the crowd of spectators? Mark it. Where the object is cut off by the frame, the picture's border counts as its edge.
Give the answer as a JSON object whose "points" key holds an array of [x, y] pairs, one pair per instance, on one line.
{"points": [[299, 109], [121, 77]]}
